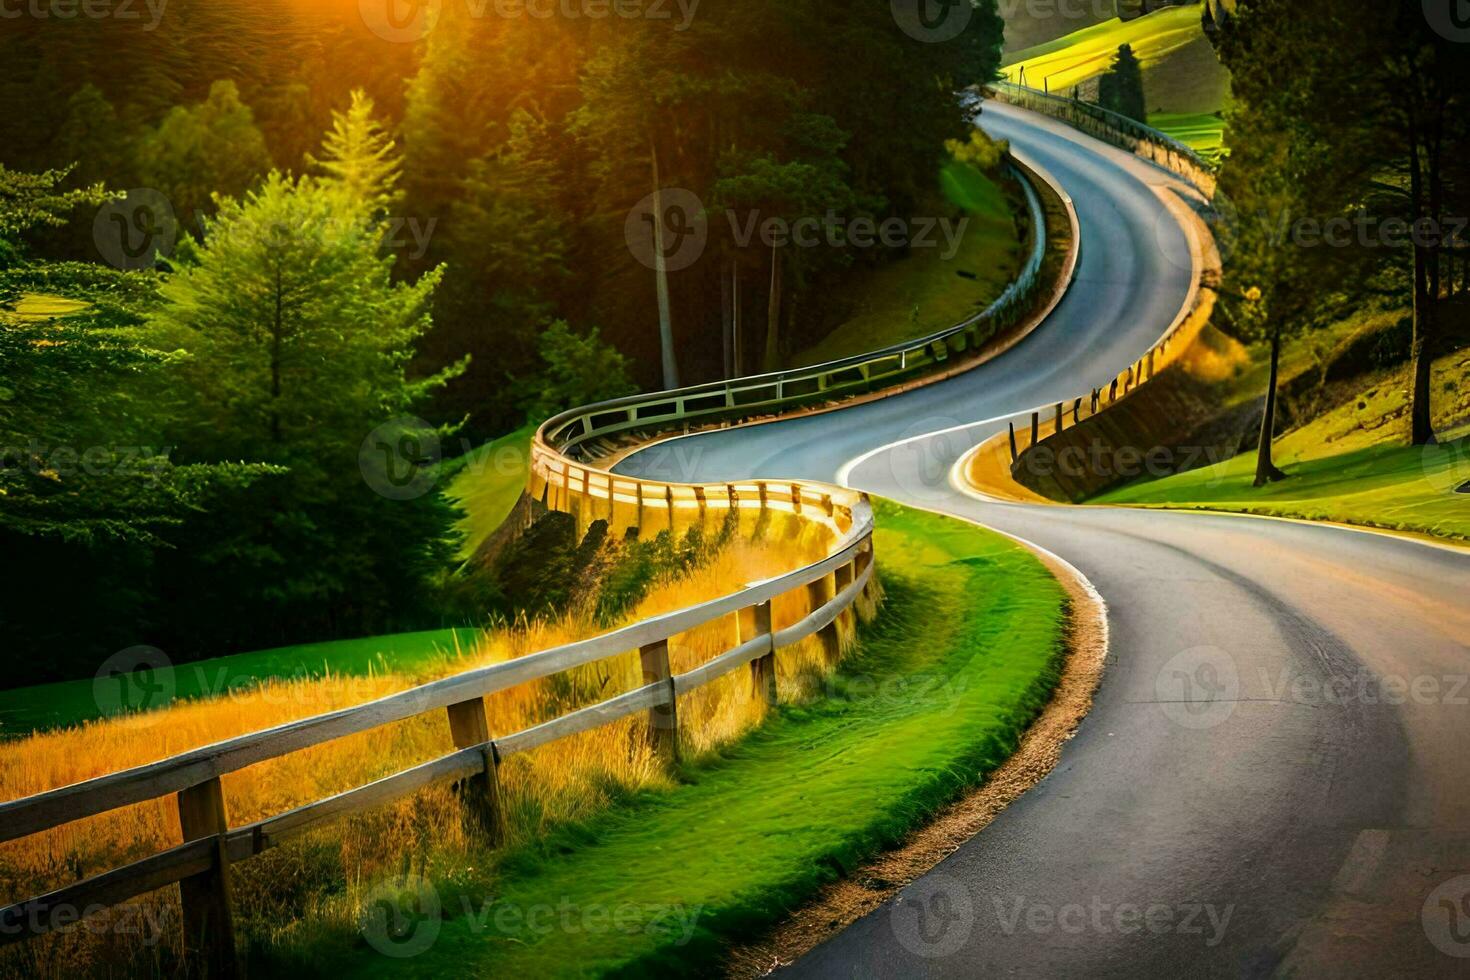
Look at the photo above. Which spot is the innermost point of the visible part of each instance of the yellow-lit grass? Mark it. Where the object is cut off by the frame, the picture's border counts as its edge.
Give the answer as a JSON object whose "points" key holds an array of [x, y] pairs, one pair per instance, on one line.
{"points": [[317, 882]]}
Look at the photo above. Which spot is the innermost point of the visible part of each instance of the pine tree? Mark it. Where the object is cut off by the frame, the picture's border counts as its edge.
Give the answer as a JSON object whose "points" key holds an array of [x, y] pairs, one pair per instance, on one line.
{"points": [[359, 154], [1121, 89], [294, 340]]}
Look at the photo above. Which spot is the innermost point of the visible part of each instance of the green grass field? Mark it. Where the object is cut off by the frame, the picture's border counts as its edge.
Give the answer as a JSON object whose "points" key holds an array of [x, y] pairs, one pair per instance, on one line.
{"points": [[1185, 86], [487, 484], [1074, 58], [1203, 132], [1350, 464], [965, 653], [25, 709], [923, 292], [1400, 488]]}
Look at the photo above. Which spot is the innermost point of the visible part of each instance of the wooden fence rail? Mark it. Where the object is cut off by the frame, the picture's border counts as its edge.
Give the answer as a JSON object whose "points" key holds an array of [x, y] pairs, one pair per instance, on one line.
{"points": [[200, 864]]}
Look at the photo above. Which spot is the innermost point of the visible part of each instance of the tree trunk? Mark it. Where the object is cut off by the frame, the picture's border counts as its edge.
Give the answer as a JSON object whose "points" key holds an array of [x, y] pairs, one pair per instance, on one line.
{"points": [[738, 338], [773, 314], [1266, 471], [661, 280], [1420, 430], [727, 320], [278, 327]]}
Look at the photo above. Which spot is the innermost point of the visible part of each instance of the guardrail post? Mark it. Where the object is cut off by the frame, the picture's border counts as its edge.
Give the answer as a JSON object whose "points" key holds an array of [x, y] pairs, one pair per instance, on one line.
{"points": [[795, 497], [819, 593], [663, 719], [669, 499], [481, 794], [1096, 397], [1059, 418], [1113, 392], [1035, 427], [209, 930], [762, 669], [1012, 427], [1077, 411], [577, 505], [1151, 362], [842, 578], [860, 564]]}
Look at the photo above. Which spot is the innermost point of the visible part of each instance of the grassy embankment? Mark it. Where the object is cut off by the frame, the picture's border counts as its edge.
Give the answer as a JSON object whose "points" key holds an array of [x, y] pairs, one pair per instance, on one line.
{"points": [[964, 655], [1345, 451], [1185, 87], [1350, 464], [924, 292]]}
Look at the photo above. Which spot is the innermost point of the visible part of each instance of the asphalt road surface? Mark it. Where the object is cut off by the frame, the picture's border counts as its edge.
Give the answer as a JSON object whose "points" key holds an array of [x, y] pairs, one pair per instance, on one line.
{"points": [[1275, 776]]}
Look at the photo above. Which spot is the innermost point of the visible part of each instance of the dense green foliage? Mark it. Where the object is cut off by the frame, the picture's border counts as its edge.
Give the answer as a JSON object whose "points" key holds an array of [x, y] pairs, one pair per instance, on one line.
{"points": [[207, 431], [526, 141], [1346, 170], [307, 326]]}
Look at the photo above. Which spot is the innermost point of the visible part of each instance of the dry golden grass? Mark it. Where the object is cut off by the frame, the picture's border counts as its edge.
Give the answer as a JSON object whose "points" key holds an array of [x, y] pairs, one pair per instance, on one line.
{"points": [[313, 886]]}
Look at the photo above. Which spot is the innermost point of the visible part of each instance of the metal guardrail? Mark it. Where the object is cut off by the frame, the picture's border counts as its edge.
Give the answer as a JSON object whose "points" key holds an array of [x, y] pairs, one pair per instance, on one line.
{"points": [[561, 481], [1115, 129], [1052, 420], [572, 432]]}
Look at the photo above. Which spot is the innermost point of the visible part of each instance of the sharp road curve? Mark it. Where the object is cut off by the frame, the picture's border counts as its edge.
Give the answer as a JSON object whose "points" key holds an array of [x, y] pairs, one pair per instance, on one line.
{"points": [[1275, 776]]}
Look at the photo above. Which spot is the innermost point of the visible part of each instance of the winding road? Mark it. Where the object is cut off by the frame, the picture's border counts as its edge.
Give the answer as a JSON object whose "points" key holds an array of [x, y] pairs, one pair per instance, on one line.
{"points": [[1274, 778]]}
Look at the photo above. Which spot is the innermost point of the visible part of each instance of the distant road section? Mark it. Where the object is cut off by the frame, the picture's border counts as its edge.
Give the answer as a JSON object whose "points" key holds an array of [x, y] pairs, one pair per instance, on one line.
{"points": [[1274, 776]]}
